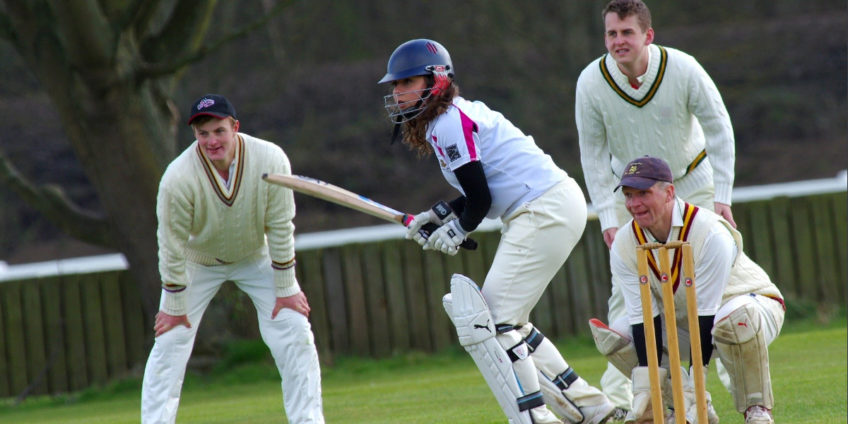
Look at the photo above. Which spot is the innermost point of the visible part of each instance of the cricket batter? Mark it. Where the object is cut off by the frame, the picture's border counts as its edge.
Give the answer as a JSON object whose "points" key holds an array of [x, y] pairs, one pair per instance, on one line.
{"points": [[218, 221], [644, 99], [500, 173], [740, 310]]}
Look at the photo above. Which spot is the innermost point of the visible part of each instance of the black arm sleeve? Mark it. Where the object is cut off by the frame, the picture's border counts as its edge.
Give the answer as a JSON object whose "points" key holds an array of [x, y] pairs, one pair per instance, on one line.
{"points": [[638, 331], [705, 325], [473, 207]]}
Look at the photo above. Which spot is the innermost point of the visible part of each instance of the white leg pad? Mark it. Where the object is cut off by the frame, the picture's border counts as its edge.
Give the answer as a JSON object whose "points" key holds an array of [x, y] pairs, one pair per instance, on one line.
{"points": [[476, 332], [557, 402], [618, 348], [744, 353]]}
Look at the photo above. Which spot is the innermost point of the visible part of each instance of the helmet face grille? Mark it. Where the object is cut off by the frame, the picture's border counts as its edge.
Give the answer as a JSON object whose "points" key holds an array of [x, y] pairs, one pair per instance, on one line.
{"points": [[406, 111]]}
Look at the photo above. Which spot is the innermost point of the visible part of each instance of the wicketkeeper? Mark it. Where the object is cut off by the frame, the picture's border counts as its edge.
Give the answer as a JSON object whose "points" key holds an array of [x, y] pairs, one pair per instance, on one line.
{"points": [[740, 310]]}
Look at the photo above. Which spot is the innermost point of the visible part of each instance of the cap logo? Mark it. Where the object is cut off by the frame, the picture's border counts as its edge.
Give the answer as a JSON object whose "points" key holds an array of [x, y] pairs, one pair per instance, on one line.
{"points": [[432, 48], [634, 168], [203, 104]]}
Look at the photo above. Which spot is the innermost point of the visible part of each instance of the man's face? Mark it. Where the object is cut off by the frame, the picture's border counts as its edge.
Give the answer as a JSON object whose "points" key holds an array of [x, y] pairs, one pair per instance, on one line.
{"points": [[649, 208], [217, 139], [624, 39]]}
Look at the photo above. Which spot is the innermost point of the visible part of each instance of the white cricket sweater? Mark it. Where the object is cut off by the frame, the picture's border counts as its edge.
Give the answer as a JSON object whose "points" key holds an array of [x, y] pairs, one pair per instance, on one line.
{"points": [[203, 220], [675, 114]]}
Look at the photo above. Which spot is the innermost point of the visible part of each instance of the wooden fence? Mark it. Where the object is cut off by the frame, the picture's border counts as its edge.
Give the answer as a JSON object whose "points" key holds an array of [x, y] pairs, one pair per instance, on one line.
{"points": [[65, 333]]}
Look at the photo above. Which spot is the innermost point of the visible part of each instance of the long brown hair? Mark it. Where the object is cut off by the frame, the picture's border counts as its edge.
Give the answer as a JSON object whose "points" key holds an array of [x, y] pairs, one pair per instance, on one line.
{"points": [[415, 131]]}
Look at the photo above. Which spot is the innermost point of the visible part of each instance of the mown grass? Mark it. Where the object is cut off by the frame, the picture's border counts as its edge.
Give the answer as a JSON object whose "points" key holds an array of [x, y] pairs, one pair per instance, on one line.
{"points": [[808, 367]]}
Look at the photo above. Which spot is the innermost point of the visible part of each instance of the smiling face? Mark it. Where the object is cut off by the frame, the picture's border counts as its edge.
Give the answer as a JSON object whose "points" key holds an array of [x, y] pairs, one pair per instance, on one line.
{"points": [[651, 208], [217, 139], [627, 42]]}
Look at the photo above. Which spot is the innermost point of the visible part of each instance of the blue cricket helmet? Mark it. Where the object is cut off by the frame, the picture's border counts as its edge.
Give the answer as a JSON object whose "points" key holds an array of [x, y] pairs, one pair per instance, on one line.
{"points": [[418, 57]]}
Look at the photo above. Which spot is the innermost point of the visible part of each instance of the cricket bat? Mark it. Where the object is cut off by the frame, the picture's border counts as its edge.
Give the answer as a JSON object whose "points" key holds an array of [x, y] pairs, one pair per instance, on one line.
{"points": [[335, 194]]}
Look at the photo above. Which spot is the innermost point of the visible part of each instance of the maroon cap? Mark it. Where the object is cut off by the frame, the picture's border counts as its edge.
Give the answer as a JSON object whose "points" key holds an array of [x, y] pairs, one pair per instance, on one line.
{"points": [[212, 105], [644, 172]]}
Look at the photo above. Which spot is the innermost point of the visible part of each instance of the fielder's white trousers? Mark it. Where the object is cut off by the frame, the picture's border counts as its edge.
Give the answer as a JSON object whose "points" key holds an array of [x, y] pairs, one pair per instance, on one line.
{"points": [[288, 336]]}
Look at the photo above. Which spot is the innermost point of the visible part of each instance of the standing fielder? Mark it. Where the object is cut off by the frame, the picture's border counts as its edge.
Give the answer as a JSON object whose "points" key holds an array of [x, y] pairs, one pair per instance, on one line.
{"points": [[740, 310], [645, 99], [501, 173], [218, 221]]}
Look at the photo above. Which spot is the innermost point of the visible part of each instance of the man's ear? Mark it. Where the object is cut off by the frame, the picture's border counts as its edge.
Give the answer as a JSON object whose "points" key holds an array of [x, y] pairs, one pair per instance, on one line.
{"points": [[669, 192], [649, 36], [236, 125]]}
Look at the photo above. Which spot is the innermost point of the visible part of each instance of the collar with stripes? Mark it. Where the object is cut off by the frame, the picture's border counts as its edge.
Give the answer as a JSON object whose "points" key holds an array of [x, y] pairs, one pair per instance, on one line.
{"points": [[225, 194], [651, 92], [689, 212]]}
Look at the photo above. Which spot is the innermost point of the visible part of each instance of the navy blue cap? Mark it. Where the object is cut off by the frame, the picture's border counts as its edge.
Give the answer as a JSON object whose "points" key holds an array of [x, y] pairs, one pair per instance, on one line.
{"points": [[644, 172], [212, 105]]}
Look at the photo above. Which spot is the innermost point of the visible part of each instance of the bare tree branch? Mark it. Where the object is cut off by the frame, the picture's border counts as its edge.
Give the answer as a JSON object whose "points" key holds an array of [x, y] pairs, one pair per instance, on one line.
{"points": [[52, 202], [154, 70], [182, 33], [139, 16], [92, 44]]}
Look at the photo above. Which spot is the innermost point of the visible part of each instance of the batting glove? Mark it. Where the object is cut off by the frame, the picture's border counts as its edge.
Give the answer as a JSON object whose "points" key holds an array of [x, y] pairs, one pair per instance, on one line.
{"points": [[420, 231], [447, 238]]}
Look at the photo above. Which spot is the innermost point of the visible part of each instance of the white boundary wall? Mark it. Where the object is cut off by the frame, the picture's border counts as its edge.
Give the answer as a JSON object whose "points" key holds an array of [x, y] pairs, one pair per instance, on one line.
{"points": [[307, 241]]}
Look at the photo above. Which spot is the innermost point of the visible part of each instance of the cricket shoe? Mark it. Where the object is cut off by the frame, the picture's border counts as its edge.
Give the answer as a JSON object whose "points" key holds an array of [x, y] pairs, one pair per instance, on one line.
{"points": [[758, 415], [617, 416], [543, 415], [599, 414]]}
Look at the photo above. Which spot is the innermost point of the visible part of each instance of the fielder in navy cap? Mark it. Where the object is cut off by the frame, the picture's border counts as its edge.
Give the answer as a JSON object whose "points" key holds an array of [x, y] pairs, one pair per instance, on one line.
{"points": [[212, 105], [644, 172]]}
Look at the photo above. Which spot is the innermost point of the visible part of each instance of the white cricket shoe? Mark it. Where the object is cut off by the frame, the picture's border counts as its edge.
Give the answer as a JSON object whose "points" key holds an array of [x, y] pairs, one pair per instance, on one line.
{"points": [[617, 416], [712, 416], [543, 415], [758, 415], [598, 414]]}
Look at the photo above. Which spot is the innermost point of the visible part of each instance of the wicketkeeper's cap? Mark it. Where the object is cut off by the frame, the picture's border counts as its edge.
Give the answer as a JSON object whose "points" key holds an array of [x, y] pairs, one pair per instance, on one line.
{"points": [[644, 172], [212, 105]]}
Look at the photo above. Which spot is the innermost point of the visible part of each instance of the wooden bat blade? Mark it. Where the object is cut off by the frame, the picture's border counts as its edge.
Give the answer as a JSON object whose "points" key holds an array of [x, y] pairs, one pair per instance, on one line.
{"points": [[335, 194]]}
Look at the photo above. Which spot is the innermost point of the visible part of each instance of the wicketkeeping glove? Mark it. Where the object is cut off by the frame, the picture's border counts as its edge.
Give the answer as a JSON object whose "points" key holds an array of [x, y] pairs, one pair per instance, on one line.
{"points": [[447, 238], [420, 231]]}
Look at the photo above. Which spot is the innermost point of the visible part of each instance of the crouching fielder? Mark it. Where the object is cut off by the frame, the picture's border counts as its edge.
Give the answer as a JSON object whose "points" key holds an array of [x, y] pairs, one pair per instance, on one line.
{"points": [[740, 310], [500, 173]]}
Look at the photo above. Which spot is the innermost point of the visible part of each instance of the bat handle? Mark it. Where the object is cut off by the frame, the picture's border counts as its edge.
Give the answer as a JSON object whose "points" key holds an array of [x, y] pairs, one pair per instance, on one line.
{"points": [[429, 227], [406, 219]]}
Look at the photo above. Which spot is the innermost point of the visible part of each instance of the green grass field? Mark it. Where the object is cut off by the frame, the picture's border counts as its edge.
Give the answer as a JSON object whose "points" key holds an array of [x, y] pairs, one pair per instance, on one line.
{"points": [[808, 368]]}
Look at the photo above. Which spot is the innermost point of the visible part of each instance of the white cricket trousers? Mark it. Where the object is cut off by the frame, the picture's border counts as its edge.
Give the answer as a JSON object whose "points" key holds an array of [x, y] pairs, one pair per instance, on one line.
{"points": [[535, 241], [288, 336]]}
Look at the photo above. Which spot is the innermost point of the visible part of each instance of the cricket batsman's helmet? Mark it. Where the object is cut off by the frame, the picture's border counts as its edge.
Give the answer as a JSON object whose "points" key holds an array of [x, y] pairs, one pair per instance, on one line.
{"points": [[420, 57]]}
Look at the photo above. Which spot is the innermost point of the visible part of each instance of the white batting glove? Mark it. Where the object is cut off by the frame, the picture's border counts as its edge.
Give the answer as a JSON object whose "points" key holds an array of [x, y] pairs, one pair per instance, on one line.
{"points": [[437, 215], [447, 238], [413, 231]]}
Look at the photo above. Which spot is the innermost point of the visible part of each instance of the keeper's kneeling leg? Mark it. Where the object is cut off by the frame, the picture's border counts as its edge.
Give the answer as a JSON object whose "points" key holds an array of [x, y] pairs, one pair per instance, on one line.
{"points": [[477, 334], [743, 351]]}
